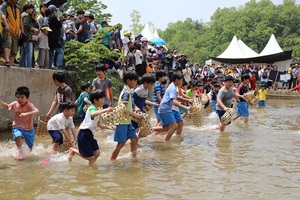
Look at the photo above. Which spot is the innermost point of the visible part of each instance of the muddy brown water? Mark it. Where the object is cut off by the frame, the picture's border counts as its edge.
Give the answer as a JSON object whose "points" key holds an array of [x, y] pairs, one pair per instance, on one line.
{"points": [[260, 161]]}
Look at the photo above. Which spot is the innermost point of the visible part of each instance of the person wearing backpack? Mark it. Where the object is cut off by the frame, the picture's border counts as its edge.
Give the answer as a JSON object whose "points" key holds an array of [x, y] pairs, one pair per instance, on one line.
{"points": [[263, 76]]}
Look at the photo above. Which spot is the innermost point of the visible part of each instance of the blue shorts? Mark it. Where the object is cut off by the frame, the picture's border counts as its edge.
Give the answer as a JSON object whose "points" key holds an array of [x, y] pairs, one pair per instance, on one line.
{"points": [[124, 132], [220, 113], [87, 144], [214, 102], [27, 135], [170, 117], [57, 137], [262, 103], [242, 109], [156, 113]]}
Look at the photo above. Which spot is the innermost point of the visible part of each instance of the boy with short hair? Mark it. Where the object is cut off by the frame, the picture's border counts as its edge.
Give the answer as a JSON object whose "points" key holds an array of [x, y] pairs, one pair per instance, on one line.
{"points": [[88, 148], [140, 95], [104, 84], [22, 126], [224, 99], [63, 92], [262, 94], [56, 126], [168, 117], [83, 100], [242, 107], [125, 130], [158, 91]]}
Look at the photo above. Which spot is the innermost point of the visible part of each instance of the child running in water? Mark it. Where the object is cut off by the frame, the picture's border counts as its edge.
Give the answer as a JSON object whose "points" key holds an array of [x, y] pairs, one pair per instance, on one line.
{"points": [[158, 91], [140, 95], [56, 126], [224, 99], [125, 130], [169, 117], [88, 148], [22, 126]]}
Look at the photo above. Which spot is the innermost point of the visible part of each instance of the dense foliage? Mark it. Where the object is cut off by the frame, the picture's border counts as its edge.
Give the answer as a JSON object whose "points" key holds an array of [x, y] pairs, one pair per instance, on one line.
{"points": [[253, 23], [86, 56]]}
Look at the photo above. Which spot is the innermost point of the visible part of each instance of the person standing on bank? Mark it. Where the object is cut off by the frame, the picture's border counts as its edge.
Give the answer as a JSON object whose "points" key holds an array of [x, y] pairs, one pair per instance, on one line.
{"points": [[13, 28]]}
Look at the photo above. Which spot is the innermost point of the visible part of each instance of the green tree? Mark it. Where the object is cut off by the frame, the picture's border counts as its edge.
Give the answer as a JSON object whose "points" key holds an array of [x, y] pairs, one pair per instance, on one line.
{"points": [[94, 6], [136, 27], [253, 22]]}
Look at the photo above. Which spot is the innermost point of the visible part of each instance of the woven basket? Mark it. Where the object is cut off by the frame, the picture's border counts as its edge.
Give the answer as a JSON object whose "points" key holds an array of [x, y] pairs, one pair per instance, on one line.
{"points": [[195, 113], [228, 116], [41, 129], [119, 114], [203, 99], [144, 124], [208, 109], [249, 95], [255, 100]]}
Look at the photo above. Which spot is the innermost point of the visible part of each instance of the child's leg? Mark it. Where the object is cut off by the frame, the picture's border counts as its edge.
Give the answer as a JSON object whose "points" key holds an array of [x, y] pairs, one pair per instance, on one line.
{"points": [[180, 127], [172, 128], [117, 150], [134, 147], [222, 127], [92, 159]]}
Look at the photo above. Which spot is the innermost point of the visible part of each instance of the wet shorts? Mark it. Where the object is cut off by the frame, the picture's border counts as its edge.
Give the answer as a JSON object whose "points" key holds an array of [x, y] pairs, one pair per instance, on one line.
{"points": [[57, 137], [170, 117], [124, 132], [86, 143], [242, 109], [27, 135], [156, 113]]}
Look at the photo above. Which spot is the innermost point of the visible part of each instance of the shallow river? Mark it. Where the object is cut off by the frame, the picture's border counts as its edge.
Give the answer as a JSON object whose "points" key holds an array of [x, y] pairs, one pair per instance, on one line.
{"points": [[261, 161]]}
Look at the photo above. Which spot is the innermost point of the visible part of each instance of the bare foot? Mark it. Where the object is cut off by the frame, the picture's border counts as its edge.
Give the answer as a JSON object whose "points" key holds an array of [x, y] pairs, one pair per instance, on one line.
{"points": [[71, 154], [20, 156]]}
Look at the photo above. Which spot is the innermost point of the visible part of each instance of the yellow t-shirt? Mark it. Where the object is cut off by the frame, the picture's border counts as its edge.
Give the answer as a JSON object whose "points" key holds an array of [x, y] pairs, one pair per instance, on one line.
{"points": [[262, 94]]}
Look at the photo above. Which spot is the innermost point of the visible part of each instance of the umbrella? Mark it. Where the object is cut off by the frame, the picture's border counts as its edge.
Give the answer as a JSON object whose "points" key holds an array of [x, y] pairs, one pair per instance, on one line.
{"points": [[157, 41]]}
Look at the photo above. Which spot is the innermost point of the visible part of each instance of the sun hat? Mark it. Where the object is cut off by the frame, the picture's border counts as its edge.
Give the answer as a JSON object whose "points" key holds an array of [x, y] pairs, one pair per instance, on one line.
{"points": [[52, 8], [46, 28]]}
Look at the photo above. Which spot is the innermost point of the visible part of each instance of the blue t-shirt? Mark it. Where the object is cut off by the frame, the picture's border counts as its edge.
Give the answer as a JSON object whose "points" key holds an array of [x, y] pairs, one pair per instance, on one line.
{"points": [[166, 103], [158, 87], [139, 96]]}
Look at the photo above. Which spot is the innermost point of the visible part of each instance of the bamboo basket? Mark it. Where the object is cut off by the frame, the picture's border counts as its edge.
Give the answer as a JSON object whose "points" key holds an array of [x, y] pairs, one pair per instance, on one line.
{"points": [[228, 116], [119, 114], [195, 113], [41, 129], [144, 125]]}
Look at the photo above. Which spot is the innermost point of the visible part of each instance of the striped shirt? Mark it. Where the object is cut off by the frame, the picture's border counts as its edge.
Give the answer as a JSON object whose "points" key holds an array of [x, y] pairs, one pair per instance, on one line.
{"points": [[158, 88]]}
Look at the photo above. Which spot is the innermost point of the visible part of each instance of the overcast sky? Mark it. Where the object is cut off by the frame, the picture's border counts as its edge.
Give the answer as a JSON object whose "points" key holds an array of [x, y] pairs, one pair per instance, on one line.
{"points": [[162, 12]]}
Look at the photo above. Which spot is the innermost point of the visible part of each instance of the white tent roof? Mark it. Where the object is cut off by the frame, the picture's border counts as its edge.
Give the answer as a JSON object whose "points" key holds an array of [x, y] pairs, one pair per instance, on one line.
{"points": [[156, 34], [147, 33], [238, 49], [272, 47], [247, 50]]}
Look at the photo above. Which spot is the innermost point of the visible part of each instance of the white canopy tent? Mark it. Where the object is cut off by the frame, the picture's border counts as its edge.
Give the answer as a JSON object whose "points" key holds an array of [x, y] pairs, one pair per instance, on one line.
{"points": [[156, 34], [238, 52], [147, 32]]}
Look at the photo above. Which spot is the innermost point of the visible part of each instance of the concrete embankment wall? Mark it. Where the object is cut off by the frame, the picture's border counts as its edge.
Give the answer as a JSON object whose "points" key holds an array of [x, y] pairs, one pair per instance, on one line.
{"points": [[39, 82]]}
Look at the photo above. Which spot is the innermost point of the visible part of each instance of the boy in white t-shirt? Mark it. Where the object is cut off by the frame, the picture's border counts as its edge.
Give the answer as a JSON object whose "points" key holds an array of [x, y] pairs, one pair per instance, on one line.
{"points": [[87, 145], [57, 125]]}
